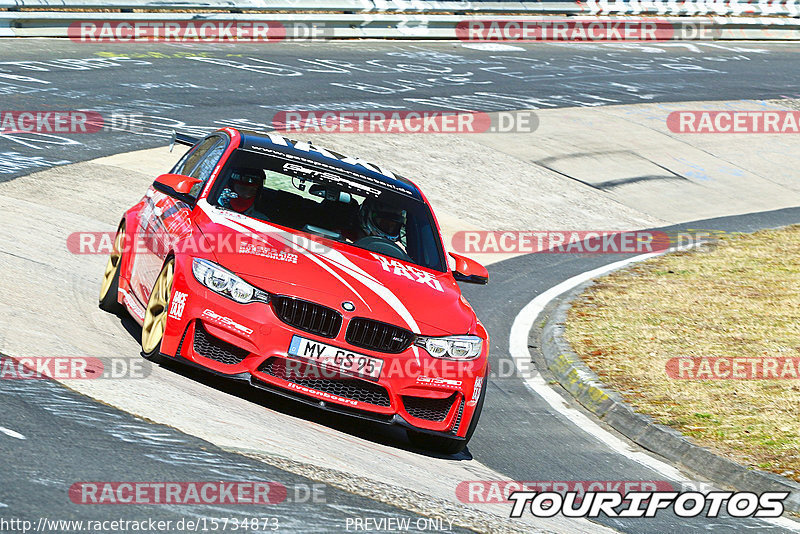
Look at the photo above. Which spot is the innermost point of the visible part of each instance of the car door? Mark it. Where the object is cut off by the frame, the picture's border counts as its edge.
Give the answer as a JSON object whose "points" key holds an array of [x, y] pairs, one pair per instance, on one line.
{"points": [[164, 219]]}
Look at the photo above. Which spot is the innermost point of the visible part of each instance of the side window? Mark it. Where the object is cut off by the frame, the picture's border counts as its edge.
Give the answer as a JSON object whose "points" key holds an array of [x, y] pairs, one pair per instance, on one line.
{"points": [[204, 168], [188, 161]]}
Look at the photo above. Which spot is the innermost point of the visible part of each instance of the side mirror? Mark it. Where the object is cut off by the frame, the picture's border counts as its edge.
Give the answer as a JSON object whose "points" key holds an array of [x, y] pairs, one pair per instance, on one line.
{"points": [[177, 186], [468, 270]]}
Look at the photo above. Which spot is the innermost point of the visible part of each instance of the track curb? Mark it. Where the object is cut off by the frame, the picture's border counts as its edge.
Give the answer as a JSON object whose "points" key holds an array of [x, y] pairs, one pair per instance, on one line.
{"points": [[608, 405]]}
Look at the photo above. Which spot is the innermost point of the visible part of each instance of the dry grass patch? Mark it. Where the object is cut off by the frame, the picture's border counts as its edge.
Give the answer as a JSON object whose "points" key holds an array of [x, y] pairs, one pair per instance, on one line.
{"points": [[742, 299]]}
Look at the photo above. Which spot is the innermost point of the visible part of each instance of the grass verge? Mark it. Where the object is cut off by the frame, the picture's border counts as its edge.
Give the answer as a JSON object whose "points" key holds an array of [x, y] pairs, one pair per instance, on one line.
{"points": [[740, 300]]}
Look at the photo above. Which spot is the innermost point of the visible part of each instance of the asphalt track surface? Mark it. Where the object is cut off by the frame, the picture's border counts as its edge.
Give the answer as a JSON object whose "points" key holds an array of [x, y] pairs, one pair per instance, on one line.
{"points": [[198, 88], [204, 86], [68, 440]]}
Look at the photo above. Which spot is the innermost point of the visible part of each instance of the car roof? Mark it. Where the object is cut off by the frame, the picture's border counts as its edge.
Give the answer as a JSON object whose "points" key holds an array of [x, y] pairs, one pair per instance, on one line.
{"points": [[253, 140]]}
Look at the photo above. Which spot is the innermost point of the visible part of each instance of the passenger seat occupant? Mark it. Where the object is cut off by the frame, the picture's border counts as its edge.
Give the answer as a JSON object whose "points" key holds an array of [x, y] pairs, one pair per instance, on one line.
{"points": [[242, 190]]}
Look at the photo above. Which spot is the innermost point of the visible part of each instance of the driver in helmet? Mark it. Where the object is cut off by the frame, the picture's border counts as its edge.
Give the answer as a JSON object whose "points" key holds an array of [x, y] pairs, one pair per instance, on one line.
{"points": [[242, 190], [381, 220]]}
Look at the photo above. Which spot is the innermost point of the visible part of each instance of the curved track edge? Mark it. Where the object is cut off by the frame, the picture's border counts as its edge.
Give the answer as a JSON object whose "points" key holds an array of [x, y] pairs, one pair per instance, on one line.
{"points": [[608, 405]]}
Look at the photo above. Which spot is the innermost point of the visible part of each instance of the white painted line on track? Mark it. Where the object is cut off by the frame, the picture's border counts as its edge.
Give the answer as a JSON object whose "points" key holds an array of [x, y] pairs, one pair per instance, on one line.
{"points": [[9, 432], [493, 47], [518, 346]]}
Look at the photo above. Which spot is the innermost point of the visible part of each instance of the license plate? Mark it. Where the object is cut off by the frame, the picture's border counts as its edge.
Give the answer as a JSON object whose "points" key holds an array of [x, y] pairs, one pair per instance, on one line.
{"points": [[336, 358]]}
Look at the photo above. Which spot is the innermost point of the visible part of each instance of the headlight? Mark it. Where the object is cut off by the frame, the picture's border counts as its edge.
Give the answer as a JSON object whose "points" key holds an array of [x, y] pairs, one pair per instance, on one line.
{"points": [[451, 347], [224, 282]]}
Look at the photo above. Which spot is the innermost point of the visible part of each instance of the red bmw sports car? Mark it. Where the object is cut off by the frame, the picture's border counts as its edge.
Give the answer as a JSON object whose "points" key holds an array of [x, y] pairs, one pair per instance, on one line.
{"points": [[307, 273]]}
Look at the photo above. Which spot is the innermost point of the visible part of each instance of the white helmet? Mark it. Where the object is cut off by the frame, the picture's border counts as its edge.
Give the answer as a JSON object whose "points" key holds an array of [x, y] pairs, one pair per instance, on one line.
{"points": [[383, 220]]}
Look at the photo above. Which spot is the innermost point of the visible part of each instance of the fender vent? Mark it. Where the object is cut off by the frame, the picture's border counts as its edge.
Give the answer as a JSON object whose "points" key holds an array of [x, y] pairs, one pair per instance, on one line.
{"points": [[454, 430]]}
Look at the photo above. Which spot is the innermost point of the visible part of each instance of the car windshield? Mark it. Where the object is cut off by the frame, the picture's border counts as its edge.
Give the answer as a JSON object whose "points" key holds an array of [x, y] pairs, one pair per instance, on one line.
{"points": [[303, 195]]}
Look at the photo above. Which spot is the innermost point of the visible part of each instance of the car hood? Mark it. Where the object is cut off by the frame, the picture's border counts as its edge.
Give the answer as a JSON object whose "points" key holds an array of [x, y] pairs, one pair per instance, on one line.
{"points": [[292, 263]]}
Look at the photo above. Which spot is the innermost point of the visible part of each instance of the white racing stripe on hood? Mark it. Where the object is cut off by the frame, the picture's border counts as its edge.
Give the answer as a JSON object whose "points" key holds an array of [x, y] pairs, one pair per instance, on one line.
{"points": [[333, 256], [219, 217], [340, 260]]}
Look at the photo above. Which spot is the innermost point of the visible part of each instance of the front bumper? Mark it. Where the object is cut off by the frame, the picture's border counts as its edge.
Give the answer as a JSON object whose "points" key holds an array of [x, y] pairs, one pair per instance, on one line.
{"points": [[249, 342]]}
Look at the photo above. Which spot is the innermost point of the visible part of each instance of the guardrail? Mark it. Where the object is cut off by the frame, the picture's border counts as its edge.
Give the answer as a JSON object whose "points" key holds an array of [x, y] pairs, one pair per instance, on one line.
{"points": [[393, 26], [789, 8], [412, 19], [286, 5]]}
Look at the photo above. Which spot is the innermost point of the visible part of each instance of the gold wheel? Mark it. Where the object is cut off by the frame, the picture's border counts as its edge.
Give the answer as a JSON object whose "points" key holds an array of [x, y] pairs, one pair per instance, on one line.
{"points": [[155, 316], [112, 266]]}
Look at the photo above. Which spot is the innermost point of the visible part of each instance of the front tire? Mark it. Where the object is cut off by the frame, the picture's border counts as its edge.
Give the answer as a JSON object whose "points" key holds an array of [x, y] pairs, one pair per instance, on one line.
{"points": [[110, 286], [155, 315]]}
